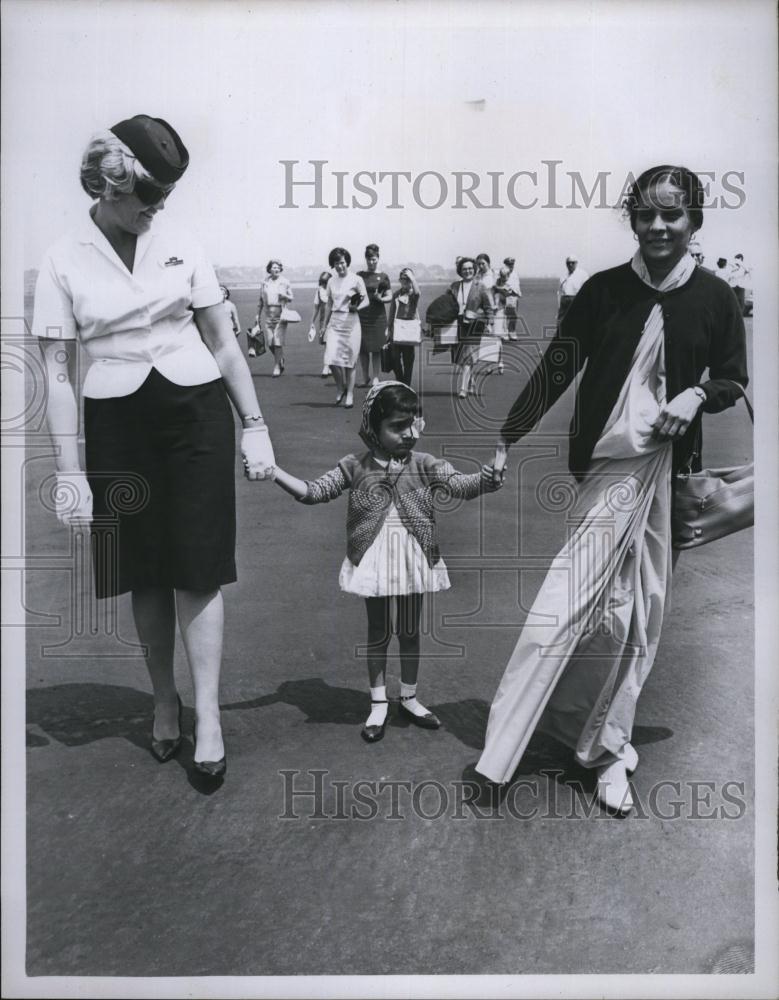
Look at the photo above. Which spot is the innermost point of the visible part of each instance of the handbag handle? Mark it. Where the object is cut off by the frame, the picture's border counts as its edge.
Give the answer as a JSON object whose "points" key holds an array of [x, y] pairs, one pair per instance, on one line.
{"points": [[743, 392], [750, 411]]}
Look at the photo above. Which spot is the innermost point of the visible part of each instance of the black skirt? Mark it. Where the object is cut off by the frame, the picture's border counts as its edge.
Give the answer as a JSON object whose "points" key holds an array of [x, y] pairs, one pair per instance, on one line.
{"points": [[161, 466]]}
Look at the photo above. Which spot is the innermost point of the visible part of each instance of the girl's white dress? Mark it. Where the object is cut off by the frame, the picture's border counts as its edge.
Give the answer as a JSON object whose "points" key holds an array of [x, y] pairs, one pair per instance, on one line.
{"points": [[394, 564], [590, 638]]}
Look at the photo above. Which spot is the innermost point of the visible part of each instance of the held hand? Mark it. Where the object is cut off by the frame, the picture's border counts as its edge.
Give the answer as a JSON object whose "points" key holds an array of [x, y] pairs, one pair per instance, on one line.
{"points": [[676, 416], [257, 452], [73, 498], [499, 462], [491, 480]]}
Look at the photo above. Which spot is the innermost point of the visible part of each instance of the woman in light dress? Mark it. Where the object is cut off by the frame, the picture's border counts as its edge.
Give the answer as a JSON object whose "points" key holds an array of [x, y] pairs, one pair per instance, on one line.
{"points": [[275, 293], [346, 294]]}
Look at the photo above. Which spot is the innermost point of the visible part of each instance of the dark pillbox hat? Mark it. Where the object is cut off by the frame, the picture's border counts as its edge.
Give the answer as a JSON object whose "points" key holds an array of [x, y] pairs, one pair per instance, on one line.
{"points": [[156, 144]]}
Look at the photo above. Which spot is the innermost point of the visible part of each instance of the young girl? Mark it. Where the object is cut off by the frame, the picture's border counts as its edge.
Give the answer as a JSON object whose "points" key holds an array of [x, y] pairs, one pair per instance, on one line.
{"points": [[318, 326], [392, 552]]}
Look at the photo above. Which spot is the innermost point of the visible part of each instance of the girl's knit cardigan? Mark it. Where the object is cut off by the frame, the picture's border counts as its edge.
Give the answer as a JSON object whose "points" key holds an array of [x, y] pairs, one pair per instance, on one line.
{"points": [[372, 491]]}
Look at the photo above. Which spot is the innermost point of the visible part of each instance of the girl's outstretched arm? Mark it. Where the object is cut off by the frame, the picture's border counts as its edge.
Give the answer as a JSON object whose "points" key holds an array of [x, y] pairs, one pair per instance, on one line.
{"points": [[321, 490], [291, 484]]}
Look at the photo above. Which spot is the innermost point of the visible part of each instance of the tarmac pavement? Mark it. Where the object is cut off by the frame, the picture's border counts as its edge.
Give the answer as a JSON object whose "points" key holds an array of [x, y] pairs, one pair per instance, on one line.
{"points": [[134, 869]]}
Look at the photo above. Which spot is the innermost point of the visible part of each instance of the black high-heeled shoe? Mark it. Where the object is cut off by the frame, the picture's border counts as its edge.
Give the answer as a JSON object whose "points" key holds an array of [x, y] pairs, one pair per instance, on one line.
{"points": [[208, 768], [164, 750]]}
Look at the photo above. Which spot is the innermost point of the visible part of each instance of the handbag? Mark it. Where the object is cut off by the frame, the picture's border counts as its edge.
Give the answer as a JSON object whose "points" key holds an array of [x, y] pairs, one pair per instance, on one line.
{"points": [[407, 331], [713, 503], [488, 350], [289, 315], [446, 336], [256, 338]]}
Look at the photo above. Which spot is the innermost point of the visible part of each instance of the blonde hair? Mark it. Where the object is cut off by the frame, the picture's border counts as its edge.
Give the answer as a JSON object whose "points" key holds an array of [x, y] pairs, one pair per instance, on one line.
{"points": [[109, 168]]}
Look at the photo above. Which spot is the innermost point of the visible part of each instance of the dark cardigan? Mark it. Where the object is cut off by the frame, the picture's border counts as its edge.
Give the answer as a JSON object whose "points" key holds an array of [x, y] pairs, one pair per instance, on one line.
{"points": [[703, 329]]}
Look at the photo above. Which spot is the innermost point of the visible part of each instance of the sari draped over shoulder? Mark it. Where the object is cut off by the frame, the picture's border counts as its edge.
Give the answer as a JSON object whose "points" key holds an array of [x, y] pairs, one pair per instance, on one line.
{"points": [[590, 638]]}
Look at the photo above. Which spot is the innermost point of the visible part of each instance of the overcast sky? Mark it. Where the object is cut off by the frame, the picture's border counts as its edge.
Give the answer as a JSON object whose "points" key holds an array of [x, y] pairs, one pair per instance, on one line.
{"points": [[611, 87]]}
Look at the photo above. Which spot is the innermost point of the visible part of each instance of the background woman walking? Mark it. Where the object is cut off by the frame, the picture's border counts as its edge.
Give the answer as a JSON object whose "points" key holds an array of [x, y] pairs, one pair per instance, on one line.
{"points": [[275, 294], [373, 319]]}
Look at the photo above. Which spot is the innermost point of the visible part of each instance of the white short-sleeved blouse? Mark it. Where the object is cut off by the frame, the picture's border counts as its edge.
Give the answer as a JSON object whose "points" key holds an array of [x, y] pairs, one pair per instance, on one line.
{"points": [[128, 323]]}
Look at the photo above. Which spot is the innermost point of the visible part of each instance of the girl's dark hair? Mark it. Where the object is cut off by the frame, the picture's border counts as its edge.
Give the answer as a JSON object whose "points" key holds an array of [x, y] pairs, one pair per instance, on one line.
{"points": [[372, 250], [324, 277], [225, 291], [465, 260], [336, 253], [270, 264], [484, 256], [687, 182], [393, 399]]}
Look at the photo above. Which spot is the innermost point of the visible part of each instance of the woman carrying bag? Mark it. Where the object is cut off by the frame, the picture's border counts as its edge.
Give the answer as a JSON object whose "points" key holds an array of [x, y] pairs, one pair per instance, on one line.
{"points": [[405, 328], [647, 330]]}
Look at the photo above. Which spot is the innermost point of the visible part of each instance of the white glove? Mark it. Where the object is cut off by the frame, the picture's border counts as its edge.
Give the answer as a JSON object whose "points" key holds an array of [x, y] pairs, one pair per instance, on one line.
{"points": [[257, 450], [311, 334], [73, 498]]}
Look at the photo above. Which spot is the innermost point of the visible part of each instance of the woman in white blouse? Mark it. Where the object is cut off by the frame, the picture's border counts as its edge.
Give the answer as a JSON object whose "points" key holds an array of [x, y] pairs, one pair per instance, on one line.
{"points": [[146, 307]]}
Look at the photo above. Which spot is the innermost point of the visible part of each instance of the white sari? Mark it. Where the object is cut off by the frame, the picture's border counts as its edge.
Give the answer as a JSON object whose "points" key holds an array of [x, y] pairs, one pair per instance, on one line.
{"points": [[590, 638]]}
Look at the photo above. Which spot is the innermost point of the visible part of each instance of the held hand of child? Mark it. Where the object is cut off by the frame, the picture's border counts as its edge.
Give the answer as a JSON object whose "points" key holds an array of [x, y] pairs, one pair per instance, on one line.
{"points": [[257, 452], [491, 478], [499, 463]]}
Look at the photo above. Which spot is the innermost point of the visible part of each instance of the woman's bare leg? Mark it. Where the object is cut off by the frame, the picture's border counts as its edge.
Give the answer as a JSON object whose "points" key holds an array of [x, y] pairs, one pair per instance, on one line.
{"points": [[154, 612], [201, 620]]}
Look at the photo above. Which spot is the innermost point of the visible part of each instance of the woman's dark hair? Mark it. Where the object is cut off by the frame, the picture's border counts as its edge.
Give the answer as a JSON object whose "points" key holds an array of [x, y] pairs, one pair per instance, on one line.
{"points": [[687, 182], [225, 291], [372, 250], [270, 264], [336, 253], [324, 277], [484, 256], [393, 399], [465, 260]]}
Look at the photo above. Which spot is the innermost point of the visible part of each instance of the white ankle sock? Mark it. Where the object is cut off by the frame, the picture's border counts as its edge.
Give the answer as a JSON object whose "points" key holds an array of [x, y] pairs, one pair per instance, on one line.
{"points": [[408, 693], [378, 712]]}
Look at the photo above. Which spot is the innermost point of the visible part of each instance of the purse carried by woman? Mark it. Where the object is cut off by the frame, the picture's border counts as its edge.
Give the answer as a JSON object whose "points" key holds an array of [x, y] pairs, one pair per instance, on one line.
{"points": [[407, 331], [714, 502], [289, 315]]}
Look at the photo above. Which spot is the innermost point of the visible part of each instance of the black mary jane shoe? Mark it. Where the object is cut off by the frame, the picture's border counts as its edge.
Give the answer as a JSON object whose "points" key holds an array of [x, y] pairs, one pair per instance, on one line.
{"points": [[372, 734], [214, 769], [426, 721], [164, 750]]}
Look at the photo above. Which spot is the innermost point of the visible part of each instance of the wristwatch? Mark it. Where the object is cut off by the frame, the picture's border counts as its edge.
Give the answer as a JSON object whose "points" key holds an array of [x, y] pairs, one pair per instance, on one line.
{"points": [[700, 392], [255, 418]]}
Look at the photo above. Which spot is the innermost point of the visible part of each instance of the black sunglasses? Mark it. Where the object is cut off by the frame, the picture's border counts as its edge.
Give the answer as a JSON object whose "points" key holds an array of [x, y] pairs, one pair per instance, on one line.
{"points": [[150, 193]]}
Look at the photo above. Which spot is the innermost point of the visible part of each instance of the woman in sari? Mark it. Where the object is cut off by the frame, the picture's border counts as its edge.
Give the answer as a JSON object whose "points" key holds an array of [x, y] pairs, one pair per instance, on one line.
{"points": [[646, 330]]}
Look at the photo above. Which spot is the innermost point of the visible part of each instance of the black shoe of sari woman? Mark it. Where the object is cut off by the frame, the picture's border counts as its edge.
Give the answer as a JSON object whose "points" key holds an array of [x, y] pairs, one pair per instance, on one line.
{"points": [[215, 769], [372, 734], [426, 721], [164, 750]]}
